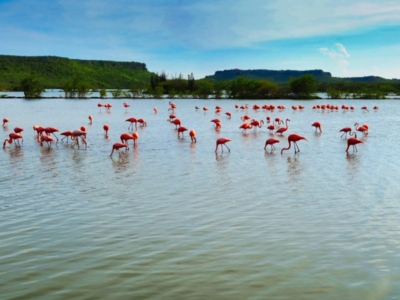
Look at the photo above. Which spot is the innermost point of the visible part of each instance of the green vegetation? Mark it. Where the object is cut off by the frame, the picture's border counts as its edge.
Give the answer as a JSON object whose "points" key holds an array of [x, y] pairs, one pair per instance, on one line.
{"points": [[80, 78], [57, 72]]}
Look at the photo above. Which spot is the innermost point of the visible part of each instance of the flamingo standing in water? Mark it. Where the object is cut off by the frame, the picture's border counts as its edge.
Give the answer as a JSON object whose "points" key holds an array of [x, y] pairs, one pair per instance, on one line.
{"points": [[76, 134], [99, 105], [317, 125], [126, 105], [294, 138], [363, 129], [90, 119], [13, 137], [192, 135], [222, 141], [155, 110], [176, 122], [365, 108], [271, 127], [125, 137], [228, 114], [66, 134], [345, 130], [181, 130], [132, 120], [51, 130], [46, 138], [118, 146], [245, 126], [18, 129], [255, 123], [353, 142], [142, 122], [106, 128], [283, 129], [5, 121], [271, 142]]}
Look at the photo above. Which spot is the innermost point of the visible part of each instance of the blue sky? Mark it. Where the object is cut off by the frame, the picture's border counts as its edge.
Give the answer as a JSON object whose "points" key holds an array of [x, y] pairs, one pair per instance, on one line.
{"points": [[346, 38]]}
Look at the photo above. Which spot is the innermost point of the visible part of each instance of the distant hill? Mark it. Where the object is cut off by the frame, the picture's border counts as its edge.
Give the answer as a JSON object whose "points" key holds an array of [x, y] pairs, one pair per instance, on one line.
{"points": [[54, 71], [283, 76]]}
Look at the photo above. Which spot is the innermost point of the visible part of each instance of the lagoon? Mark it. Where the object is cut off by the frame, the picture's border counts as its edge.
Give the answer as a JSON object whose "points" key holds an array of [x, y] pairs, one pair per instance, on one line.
{"points": [[173, 220]]}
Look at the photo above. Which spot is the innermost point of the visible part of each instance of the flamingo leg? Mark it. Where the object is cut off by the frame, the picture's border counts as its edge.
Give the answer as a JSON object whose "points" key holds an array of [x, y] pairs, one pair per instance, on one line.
{"points": [[226, 147]]}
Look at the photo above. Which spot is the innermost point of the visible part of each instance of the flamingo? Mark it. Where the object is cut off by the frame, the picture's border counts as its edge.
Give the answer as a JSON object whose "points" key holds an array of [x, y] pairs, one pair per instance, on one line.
{"points": [[255, 123], [362, 129], [172, 106], [106, 128], [142, 122], [78, 134], [155, 110], [18, 129], [181, 130], [365, 108], [317, 125], [90, 119], [245, 118], [345, 131], [132, 120], [125, 137], [46, 138], [294, 138], [376, 107], [228, 114], [83, 128], [176, 122], [5, 121], [353, 142], [218, 125], [283, 129], [108, 107], [135, 136], [51, 130], [171, 117], [245, 126], [205, 109], [66, 134], [271, 142], [118, 146], [222, 141], [126, 105], [99, 105], [192, 135], [271, 127], [13, 137]]}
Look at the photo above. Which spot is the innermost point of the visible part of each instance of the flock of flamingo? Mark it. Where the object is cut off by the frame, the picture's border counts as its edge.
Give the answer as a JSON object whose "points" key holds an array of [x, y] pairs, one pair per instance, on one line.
{"points": [[276, 126]]}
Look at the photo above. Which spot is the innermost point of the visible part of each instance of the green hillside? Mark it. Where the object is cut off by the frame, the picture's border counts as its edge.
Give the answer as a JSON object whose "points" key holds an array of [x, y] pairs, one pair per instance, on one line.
{"points": [[55, 71], [284, 76]]}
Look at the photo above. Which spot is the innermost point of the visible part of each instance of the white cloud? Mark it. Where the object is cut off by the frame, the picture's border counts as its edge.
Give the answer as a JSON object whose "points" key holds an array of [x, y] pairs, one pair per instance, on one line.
{"points": [[340, 56]]}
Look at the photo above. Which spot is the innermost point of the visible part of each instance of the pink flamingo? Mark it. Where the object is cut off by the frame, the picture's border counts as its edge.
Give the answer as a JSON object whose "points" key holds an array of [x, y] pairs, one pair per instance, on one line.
{"points": [[294, 138], [18, 129], [317, 125], [46, 138], [142, 122], [132, 120], [66, 134], [51, 130], [76, 134], [90, 119], [106, 128], [5, 121], [118, 146], [192, 135], [126, 105], [362, 129], [228, 114], [181, 130], [345, 130], [222, 141], [13, 137], [353, 142], [176, 122], [283, 129], [271, 142]]}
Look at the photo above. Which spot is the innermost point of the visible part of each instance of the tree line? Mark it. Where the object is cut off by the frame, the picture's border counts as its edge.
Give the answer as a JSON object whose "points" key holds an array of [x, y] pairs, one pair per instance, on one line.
{"points": [[159, 86]]}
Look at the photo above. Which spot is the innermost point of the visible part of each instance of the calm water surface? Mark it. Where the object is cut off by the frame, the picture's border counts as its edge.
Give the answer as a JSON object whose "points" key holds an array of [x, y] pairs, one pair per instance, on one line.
{"points": [[173, 220]]}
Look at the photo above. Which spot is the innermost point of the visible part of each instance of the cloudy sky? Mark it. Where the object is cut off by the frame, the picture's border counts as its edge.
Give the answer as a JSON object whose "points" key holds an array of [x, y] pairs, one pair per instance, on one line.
{"points": [[346, 38]]}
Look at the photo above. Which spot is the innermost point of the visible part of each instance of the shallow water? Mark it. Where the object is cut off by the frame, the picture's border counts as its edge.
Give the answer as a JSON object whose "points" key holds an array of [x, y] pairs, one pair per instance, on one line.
{"points": [[173, 220]]}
